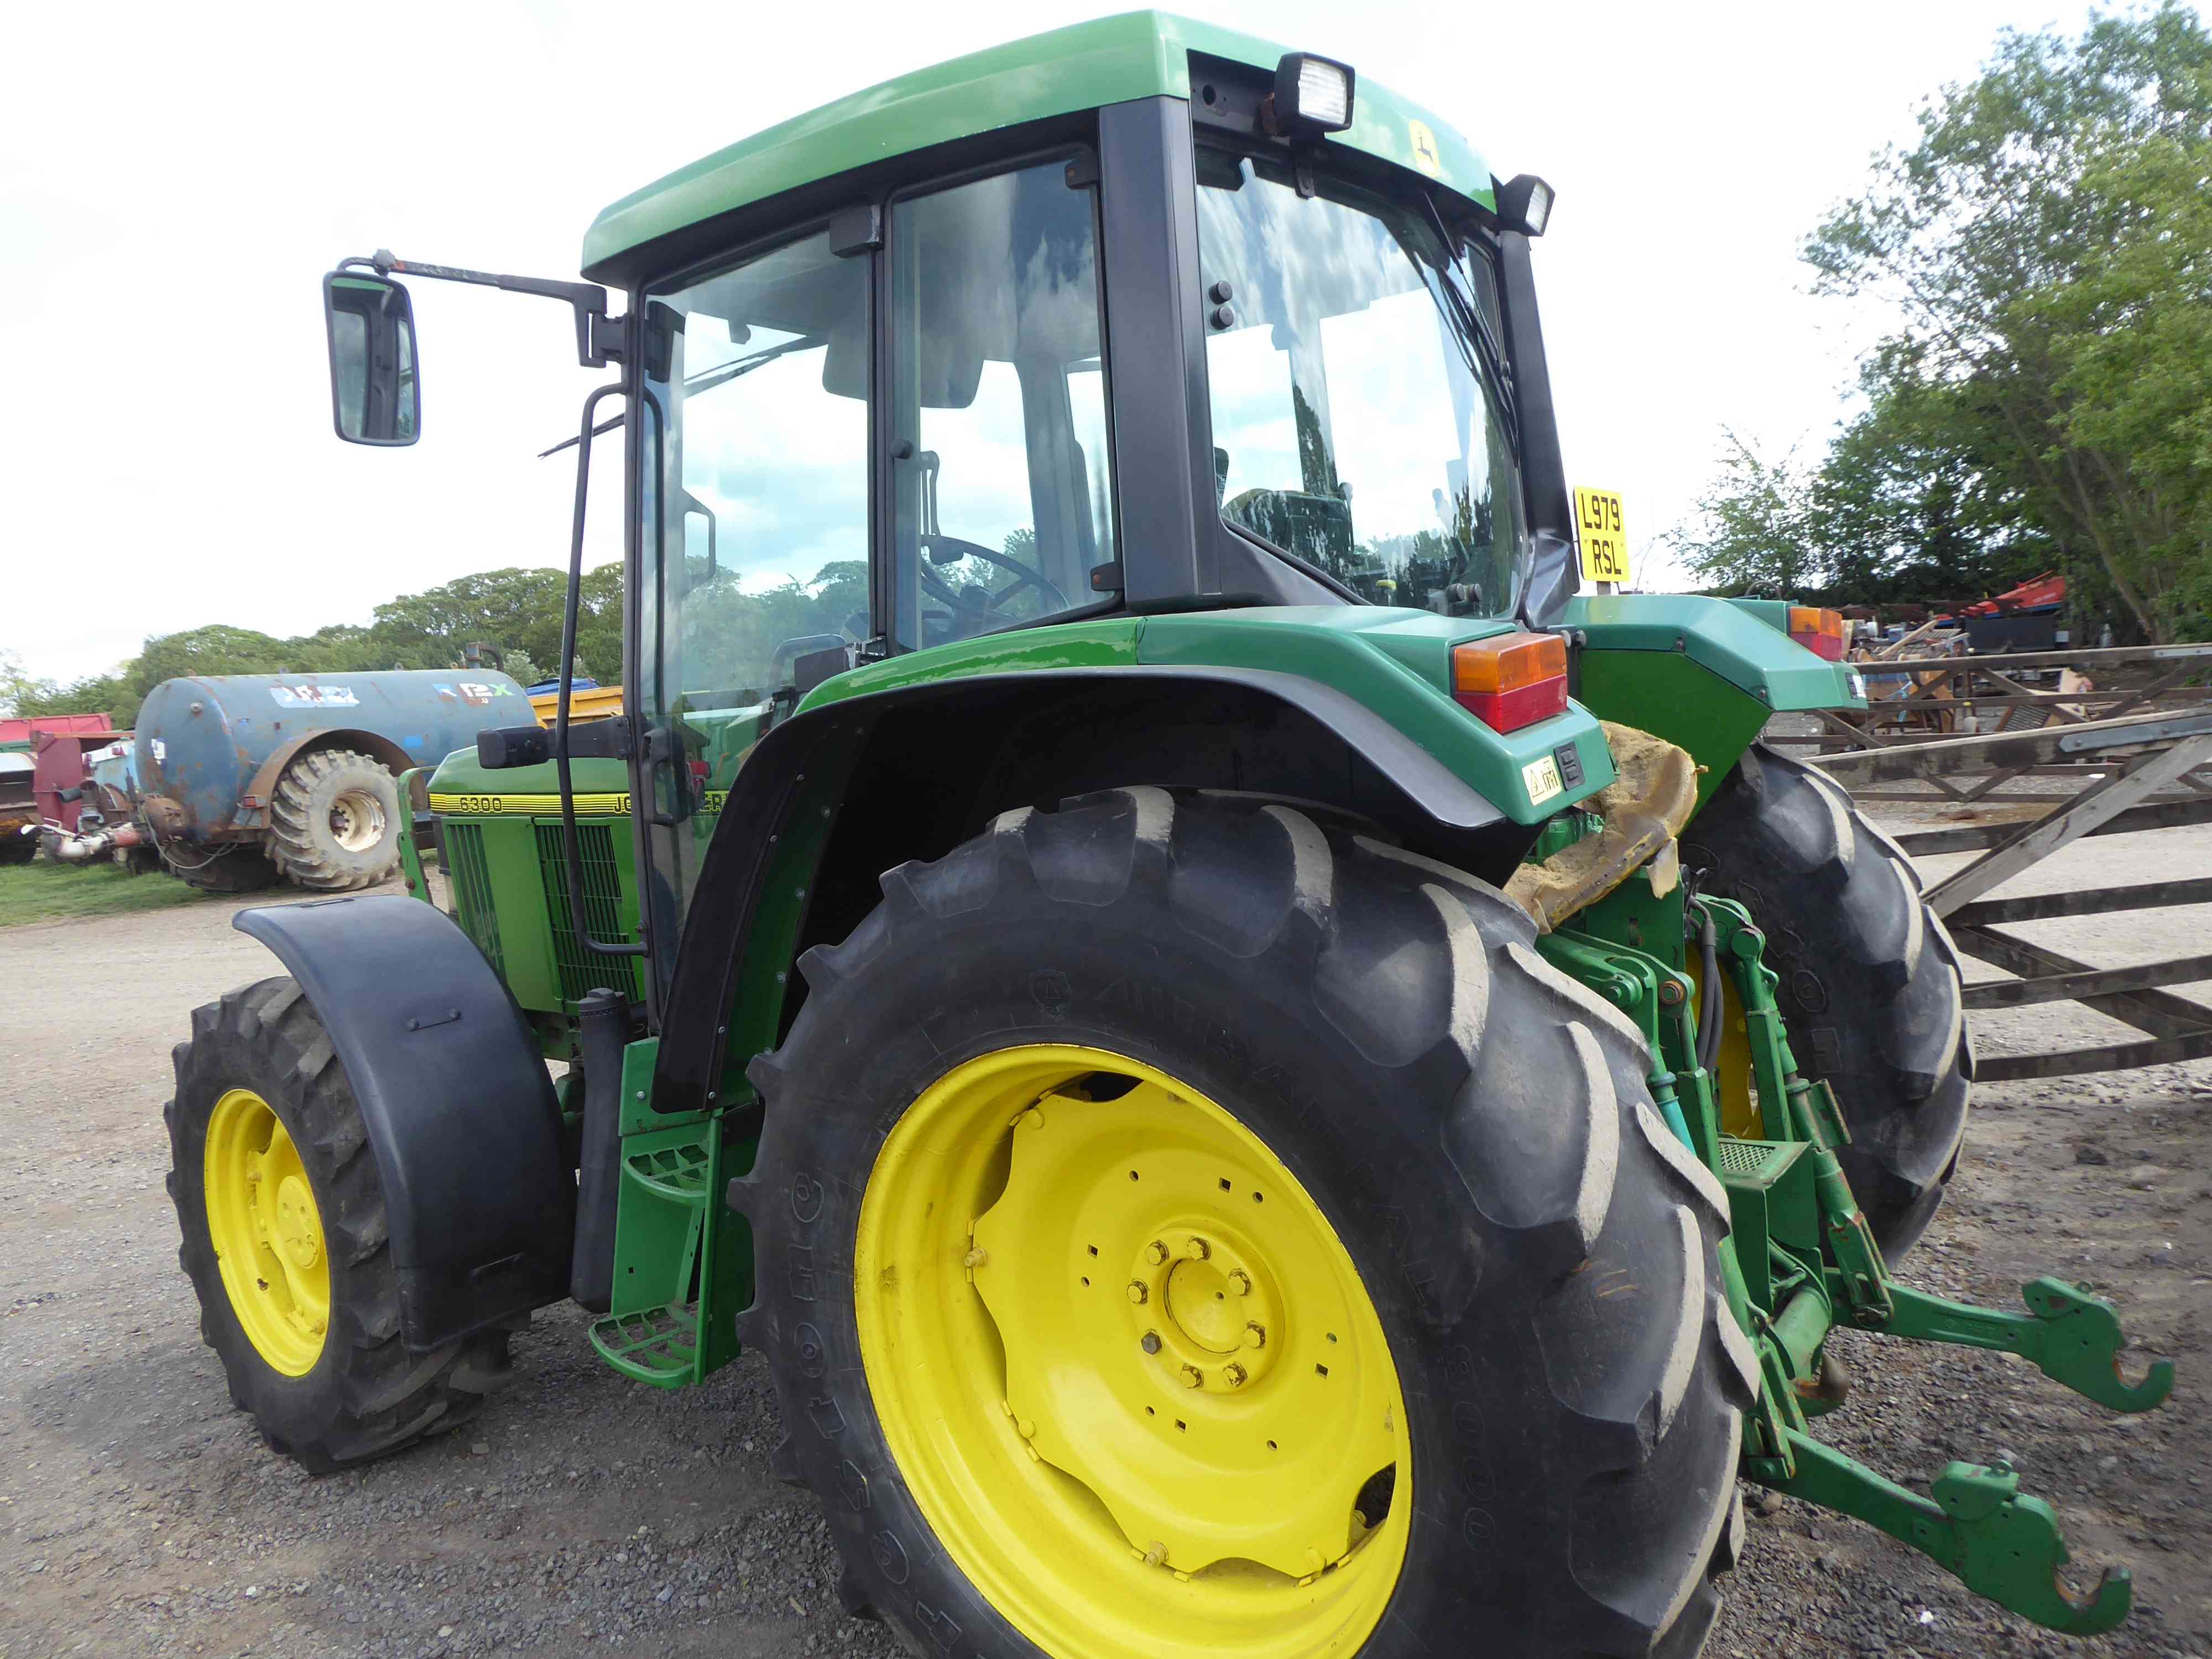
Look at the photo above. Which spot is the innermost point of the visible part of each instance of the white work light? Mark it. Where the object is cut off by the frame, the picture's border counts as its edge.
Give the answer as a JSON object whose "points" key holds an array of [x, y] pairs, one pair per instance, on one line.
{"points": [[1313, 93], [1524, 204]]}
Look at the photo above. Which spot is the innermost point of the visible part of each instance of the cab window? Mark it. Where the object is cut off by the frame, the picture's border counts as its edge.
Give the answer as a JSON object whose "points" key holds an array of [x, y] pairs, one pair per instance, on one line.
{"points": [[1002, 475]]}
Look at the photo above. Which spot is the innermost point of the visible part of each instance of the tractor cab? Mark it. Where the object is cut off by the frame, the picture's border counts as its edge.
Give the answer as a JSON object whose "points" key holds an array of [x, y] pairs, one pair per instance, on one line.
{"points": [[1141, 318]]}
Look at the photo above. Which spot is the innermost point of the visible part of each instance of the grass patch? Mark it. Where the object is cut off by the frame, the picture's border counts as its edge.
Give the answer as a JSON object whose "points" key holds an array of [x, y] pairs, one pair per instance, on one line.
{"points": [[44, 891]]}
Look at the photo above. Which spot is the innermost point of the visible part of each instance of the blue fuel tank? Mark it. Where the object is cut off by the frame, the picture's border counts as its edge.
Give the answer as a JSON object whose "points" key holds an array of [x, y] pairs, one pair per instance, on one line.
{"points": [[215, 746]]}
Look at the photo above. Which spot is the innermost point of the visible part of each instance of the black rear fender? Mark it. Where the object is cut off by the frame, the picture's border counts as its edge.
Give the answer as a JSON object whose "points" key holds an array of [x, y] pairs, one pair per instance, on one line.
{"points": [[839, 794]]}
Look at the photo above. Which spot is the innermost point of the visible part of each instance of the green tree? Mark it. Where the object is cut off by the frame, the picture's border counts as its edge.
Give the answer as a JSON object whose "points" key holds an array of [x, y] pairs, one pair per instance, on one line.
{"points": [[524, 668], [2134, 337], [518, 608], [1751, 530], [1903, 509], [2048, 248], [519, 611], [20, 694]]}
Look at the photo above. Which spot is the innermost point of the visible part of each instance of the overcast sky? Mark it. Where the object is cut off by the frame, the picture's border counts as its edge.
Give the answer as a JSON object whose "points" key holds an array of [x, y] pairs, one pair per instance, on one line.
{"points": [[182, 176]]}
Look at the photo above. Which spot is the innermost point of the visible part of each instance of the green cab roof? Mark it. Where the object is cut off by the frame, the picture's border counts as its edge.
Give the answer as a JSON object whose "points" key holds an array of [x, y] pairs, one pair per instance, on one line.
{"points": [[1139, 54]]}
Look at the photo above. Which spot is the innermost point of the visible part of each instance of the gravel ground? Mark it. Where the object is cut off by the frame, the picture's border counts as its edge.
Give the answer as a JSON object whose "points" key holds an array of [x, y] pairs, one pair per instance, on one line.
{"points": [[581, 1514]]}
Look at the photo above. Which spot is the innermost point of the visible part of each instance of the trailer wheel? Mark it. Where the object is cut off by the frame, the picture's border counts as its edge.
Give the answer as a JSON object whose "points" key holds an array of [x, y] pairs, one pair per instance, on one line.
{"points": [[335, 821], [1870, 986], [1183, 1229], [282, 1215]]}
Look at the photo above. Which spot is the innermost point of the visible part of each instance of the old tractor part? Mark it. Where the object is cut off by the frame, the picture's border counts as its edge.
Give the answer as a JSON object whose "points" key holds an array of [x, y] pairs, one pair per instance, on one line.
{"points": [[1868, 982], [19, 839], [1066, 1131], [220, 867], [95, 843], [297, 771]]}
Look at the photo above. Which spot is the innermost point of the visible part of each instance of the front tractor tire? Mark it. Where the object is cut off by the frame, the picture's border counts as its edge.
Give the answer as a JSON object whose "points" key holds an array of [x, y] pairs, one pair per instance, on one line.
{"points": [[1870, 992], [1185, 1228], [335, 822], [282, 1215]]}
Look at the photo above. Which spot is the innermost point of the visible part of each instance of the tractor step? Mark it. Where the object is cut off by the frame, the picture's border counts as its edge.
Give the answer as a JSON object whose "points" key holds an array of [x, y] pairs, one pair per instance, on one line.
{"points": [[659, 1346], [675, 1174]]}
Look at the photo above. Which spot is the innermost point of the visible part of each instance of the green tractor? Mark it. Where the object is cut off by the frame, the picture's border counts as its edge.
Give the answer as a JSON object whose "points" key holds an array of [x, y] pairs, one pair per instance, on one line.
{"points": [[1267, 1076]]}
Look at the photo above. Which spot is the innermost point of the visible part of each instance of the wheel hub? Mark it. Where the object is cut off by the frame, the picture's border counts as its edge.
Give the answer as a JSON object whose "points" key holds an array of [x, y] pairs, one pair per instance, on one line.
{"points": [[267, 1233], [1126, 1367], [357, 820], [1213, 1403], [299, 1234]]}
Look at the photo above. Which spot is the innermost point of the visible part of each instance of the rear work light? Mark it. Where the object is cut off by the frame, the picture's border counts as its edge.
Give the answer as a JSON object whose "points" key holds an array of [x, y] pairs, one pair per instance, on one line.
{"points": [[1312, 95], [1820, 632], [1511, 680]]}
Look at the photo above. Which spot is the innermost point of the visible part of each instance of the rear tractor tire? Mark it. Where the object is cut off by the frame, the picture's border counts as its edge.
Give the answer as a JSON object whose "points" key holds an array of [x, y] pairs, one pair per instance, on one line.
{"points": [[282, 1214], [335, 821], [1185, 1229], [1871, 993]]}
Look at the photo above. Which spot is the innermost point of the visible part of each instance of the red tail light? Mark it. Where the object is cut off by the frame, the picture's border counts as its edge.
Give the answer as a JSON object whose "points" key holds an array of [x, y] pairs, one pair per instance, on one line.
{"points": [[1511, 680], [1820, 632]]}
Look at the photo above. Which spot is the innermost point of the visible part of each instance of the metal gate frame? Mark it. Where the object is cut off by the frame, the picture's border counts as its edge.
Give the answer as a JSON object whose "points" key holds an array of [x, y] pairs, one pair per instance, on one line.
{"points": [[2143, 756]]}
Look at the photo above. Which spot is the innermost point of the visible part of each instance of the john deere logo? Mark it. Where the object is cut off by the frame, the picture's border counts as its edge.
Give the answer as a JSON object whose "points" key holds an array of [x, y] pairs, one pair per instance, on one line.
{"points": [[1425, 149]]}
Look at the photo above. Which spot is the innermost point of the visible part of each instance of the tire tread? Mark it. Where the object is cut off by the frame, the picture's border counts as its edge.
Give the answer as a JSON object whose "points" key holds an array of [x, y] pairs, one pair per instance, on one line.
{"points": [[1452, 1010]]}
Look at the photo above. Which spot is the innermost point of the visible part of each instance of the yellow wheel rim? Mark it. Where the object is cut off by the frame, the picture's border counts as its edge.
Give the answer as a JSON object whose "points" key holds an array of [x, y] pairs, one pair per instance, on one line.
{"points": [[267, 1233], [1734, 1086], [1127, 1367]]}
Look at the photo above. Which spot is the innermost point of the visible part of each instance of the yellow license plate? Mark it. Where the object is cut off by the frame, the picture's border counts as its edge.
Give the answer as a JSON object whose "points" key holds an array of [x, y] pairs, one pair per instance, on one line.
{"points": [[1601, 533]]}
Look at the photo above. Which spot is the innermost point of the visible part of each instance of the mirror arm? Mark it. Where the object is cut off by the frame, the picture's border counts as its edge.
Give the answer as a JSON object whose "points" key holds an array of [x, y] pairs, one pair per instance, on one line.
{"points": [[600, 339], [571, 848]]}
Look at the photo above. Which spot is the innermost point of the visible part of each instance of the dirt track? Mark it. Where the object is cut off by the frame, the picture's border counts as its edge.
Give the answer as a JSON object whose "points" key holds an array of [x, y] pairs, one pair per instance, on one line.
{"points": [[581, 1514]]}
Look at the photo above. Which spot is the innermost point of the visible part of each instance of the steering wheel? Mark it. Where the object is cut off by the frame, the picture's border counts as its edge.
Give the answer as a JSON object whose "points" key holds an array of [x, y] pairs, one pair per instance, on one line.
{"points": [[1024, 576]]}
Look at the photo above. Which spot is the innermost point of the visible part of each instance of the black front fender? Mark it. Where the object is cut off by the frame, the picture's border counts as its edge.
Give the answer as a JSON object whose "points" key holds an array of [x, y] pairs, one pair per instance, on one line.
{"points": [[455, 1100]]}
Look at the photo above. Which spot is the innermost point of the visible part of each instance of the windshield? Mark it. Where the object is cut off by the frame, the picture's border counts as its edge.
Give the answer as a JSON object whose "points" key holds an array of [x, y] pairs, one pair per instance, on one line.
{"points": [[1359, 419]]}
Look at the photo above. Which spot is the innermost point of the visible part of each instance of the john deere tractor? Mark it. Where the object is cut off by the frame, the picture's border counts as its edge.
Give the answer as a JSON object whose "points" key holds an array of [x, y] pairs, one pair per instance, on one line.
{"points": [[1267, 1075]]}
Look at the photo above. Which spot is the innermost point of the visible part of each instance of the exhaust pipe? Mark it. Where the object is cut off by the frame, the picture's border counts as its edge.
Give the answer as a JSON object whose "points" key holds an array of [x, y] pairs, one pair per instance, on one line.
{"points": [[80, 849], [602, 1033]]}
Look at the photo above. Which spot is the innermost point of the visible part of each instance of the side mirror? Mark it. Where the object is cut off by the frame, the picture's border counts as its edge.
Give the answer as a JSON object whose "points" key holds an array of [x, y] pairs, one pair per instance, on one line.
{"points": [[375, 392]]}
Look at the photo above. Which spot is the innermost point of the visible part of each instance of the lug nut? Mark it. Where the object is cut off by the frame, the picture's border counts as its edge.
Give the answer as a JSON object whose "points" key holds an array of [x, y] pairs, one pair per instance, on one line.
{"points": [[1191, 1375], [1241, 1282], [975, 1258], [1234, 1375], [1156, 1252], [1198, 1249], [1157, 1555], [1138, 1294], [1255, 1335], [1151, 1344], [1026, 1429]]}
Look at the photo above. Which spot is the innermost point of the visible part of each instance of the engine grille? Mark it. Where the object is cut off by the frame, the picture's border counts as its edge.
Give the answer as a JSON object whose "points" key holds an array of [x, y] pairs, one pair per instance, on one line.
{"points": [[579, 969], [470, 875]]}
